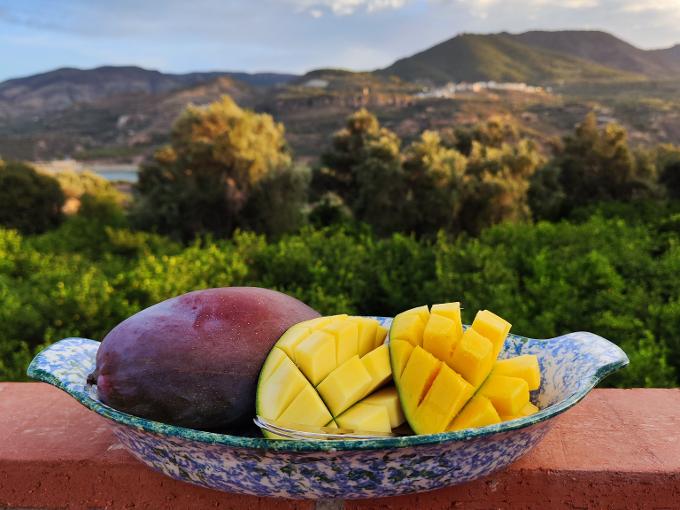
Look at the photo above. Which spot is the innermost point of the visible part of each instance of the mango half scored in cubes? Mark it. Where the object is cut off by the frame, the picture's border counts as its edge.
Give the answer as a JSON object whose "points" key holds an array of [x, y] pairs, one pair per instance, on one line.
{"points": [[449, 379], [330, 372]]}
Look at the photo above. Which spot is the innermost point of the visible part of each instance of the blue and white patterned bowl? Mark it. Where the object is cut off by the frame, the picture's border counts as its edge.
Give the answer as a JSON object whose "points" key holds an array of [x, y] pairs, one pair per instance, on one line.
{"points": [[571, 365]]}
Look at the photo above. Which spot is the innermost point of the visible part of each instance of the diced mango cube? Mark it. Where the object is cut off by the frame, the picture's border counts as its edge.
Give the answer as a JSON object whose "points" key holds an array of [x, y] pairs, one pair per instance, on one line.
{"points": [[365, 418], [389, 399], [420, 311], [275, 358], [345, 385], [525, 367], [528, 409], [315, 356], [507, 394], [440, 336], [479, 412], [450, 311], [473, 357], [380, 334], [367, 330], [417, 377], [493, 327], [377, 363], [305, 409], [292, 337], [283, 385], [400, 351], [320, 322], [346, 335], [445, 398], [408, 327]]}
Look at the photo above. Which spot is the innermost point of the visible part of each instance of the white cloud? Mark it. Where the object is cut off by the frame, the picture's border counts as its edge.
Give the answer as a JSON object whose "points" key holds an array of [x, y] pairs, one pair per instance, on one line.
{"points": [[345, 7], [481, 8], [668, 6]]}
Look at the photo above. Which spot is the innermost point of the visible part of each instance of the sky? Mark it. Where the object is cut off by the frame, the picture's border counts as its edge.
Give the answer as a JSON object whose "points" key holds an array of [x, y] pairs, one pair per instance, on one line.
{"points": [[290, 35]]}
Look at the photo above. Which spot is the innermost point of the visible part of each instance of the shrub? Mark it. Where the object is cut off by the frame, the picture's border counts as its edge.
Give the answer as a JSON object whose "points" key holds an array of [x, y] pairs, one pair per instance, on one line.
{"points": [[29, 201]]}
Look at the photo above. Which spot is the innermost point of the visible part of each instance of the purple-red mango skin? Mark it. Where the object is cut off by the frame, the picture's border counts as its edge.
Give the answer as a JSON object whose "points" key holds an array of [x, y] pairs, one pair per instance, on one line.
{"points": [[194, 360]]}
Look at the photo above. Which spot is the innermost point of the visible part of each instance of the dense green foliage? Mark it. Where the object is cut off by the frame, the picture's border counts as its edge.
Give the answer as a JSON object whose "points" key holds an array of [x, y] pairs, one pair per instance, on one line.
{"points": [[377, 227], [594, 165], [29, 201], [202, 182], [481, 180], [603, 273]]}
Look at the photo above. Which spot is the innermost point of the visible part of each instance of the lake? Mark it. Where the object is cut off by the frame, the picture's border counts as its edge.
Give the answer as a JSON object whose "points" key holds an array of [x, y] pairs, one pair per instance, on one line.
{"points": [[126, 173]]}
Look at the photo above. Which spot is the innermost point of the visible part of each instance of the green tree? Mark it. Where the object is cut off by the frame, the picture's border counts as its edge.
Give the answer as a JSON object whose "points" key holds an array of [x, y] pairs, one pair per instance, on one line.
{"points": [[30, 202], [202, 181], [363, 168], [594, 164], [668, 161], [276, 204], [496, 184], [493, 132], [434, 175]]}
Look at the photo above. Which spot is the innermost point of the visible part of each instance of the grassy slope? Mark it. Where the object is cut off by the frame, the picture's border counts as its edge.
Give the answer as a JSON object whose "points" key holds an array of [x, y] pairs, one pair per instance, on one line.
{"points": [[472, 57]]}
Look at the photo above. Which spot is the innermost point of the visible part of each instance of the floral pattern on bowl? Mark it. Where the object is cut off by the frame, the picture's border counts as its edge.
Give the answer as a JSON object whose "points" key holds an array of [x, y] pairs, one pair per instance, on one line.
{"points": [[571, 365]]}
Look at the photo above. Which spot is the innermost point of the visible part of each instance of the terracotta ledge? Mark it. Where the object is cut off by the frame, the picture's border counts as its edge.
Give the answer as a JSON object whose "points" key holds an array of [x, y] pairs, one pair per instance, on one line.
{"points": [[617, 449]]}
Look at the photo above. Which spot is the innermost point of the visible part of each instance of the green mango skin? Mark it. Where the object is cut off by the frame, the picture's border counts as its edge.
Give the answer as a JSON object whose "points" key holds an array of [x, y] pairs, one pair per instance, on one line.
{"points": [[194, 360]]}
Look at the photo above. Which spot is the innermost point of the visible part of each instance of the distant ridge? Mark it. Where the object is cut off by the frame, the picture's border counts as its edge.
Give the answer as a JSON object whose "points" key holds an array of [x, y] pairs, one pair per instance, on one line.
{"points": [[605, 49], [537, 57], [62, 88]]}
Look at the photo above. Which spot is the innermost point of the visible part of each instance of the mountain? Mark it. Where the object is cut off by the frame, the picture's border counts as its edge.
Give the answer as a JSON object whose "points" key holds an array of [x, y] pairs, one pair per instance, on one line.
{"points": [[605, 49], [62, 88], [118, 124], [123, 113], [499, 57]]}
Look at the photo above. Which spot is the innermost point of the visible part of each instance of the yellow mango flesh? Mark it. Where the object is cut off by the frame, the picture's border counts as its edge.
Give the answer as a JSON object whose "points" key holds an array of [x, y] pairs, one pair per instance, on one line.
{"points": [[473, 357], [292, 338], [345, 385], [525, 367], [380, 334], [365, 418], [409, 328], [445, 398], [280, 388], [389, 399], [400, 351], [421, 370], [377, 364], [318, 372], [367, 330], [420, 311], [527, 410], [479, 412], [507, 394], [493, 327], [307, 408], [316, 356], [445, 376], [346, 334], [441, 336]]}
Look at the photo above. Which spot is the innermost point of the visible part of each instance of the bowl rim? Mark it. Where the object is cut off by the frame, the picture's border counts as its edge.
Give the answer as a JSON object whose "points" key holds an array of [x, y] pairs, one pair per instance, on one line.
{"points": [[296, 445]]}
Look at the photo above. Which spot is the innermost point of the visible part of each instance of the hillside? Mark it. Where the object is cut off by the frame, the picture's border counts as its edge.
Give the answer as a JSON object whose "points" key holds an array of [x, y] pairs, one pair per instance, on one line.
{"points": [[122, 113], [499, 57], [62, 88], [607, 50], [119, 126]]}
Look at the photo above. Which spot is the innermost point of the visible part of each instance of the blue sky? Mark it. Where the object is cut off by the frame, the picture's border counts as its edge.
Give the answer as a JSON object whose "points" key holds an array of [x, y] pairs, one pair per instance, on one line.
{"points": [[290, 35]]}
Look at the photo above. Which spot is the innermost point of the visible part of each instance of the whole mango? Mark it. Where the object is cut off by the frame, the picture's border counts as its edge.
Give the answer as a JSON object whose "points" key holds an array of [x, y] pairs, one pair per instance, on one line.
{"points": [[194, 360]]}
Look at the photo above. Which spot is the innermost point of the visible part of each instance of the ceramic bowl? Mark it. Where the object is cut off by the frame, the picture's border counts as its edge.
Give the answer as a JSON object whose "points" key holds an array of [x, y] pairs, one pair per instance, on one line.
{"points": [[571, 365]]}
